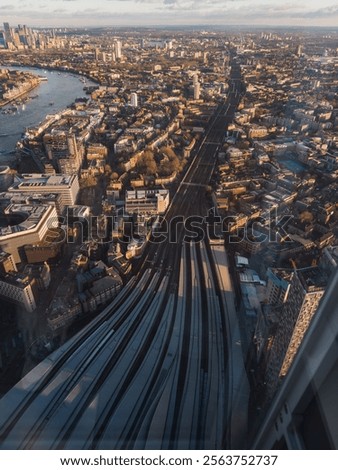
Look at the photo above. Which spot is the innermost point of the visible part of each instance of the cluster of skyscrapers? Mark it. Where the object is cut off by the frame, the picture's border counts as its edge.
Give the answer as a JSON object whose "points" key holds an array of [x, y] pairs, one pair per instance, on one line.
{"points": [[23, 37]]}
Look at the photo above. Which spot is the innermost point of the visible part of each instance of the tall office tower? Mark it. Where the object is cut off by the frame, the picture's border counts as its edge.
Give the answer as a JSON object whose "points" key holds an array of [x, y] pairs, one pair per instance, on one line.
{"points": [[195, 79], [278, 286], [134, 100], [3, 42], [197, 91], [7, 28], [28, 31], [304, 412], [299, 51], [306, 289], [96, 53], [8, 34], [16, 39], [118, 49], [22, 35]]}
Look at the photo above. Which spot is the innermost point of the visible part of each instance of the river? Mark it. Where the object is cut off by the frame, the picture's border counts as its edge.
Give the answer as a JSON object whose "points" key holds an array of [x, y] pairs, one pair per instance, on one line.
{"points": [[59, 91]]}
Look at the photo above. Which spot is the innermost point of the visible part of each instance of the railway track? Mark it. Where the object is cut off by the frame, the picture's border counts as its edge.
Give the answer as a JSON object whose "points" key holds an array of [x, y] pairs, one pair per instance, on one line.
{"points": [[150, 371]]}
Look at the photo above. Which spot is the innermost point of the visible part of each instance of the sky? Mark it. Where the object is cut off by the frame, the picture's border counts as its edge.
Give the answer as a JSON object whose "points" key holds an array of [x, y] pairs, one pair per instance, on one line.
{"points": [[80, 13]]}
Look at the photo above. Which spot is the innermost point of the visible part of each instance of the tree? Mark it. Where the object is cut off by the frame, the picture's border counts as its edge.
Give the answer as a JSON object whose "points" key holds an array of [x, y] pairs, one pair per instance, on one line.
{"points": [[170, 163], [107, 169], [306, 216], [168, 151], [146, 163]]}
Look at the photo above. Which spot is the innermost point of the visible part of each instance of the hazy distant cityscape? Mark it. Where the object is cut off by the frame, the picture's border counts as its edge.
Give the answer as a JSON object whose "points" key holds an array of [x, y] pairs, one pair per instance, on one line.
{"points": [[169, 240]]}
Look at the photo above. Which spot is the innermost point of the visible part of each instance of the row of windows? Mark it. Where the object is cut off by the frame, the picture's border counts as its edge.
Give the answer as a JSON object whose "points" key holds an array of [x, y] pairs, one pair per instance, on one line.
{"points": [[16, 293]]}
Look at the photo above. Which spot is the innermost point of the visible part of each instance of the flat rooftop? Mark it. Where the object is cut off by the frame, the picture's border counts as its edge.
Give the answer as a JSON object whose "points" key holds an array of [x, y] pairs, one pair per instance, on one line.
{"points": [[32, 214], [40, 180], [146, 194], [313, 278]]}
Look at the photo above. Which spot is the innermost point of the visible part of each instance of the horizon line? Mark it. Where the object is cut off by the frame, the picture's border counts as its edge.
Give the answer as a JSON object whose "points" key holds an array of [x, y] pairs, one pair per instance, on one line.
{"points": [[182, 26]]}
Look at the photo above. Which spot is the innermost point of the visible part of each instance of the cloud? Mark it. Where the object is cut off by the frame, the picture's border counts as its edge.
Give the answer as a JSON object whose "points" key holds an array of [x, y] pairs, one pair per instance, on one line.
{"points": [[292, 10], [287, 7], [322, 12], [180, 4], [168, 12]]}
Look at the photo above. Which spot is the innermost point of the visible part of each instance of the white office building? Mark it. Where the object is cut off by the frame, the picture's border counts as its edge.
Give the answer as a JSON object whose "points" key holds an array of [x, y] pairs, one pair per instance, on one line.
{"points": [[134, 100], [36, 221], [197, 91], [65, 185], [151, 202], [118, 49]]}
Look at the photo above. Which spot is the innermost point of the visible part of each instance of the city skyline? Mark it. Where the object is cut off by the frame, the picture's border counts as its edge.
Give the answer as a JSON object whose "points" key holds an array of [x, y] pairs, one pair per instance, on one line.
{"points": [[73, 13]]}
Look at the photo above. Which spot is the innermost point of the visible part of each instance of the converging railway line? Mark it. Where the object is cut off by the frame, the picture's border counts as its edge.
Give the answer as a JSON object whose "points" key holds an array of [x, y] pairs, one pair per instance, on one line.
{"points": [[153, 371]]}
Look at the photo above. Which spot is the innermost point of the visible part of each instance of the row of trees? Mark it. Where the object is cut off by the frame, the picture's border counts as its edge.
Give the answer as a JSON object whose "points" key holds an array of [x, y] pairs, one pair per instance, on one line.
{"points": [[164, 163]]}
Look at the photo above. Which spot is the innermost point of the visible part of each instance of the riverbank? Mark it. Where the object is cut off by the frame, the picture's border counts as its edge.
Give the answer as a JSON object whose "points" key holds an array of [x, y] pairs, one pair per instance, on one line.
{"points": [[52, 68], [62, 89], [16, 85], [19, 95]]}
